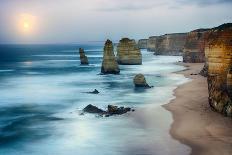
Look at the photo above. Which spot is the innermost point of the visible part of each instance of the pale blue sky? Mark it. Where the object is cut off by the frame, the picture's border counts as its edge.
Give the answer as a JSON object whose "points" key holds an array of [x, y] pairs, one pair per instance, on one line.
{"points": [[71, 21]]}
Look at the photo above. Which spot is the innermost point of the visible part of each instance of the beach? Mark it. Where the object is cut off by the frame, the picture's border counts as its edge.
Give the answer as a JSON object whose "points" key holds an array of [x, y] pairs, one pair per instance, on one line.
{"points": [[195, 123]]}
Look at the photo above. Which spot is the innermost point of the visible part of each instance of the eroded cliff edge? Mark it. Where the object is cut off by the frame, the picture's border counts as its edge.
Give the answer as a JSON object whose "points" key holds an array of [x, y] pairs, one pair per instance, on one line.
{"points": [[218, 50], [168, 44]]}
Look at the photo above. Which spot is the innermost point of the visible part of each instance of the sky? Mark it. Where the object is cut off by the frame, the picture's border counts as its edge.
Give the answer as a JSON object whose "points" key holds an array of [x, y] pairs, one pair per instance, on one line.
{"points": [[73, 21]]}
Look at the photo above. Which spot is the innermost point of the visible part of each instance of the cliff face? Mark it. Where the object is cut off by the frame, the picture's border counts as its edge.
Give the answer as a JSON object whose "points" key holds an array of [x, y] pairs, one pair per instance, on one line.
{"points": [[128, 52], [83, 57], [151, 43], [171, 44], [218, 49], [168, 44], [142, 43], [109, 63], [194, 46]]}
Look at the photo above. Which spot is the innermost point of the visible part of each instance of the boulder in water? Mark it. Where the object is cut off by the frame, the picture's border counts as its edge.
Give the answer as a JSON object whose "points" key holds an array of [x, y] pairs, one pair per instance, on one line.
{"points": [[140, 81]]}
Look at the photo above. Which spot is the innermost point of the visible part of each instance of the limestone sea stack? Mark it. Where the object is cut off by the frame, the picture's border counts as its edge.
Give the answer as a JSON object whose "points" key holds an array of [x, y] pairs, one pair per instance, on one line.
{"points": [[142, 43], [109, 63], [194, 46], [140, 81], [83, 57], [218, 50], [128, 52]]}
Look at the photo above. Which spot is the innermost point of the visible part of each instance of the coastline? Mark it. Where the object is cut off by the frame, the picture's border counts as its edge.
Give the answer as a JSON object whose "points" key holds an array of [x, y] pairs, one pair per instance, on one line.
{"points": [[194, 122]]}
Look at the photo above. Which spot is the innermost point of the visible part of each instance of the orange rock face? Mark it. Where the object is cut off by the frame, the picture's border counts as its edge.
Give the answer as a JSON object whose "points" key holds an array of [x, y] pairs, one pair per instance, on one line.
{"points": [[194, 46], [218, 50]]}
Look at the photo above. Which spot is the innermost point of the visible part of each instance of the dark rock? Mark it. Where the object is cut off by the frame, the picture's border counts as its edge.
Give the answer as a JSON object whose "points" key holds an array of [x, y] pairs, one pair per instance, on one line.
{"points": [[111, 110], [93, 109], [94, 92]]}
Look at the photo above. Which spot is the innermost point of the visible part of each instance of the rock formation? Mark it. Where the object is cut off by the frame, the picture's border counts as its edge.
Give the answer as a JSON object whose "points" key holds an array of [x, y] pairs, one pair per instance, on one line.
{"points": [[140, 81], [151, 43], [111, 110], [218, 49], [128, 52], [142, 43], [194, 46], [168, 44], [83, 57], [109, 63]]}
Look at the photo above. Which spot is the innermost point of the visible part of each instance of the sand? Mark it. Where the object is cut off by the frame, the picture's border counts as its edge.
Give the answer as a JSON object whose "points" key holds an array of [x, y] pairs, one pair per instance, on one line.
{"points": [[195, 123]]}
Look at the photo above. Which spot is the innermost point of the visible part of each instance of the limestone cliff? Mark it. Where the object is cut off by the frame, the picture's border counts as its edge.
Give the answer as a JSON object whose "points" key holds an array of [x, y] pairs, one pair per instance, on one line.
{"points": [[171, 44], [142, 43], [168, 44], [151, 43], [109, 63], [218, 49], [128, 52], [194, 46], [83, 57]]}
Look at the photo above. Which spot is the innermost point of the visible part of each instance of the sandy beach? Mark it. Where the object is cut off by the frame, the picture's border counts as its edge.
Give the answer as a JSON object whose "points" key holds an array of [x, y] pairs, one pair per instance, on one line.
{"points": [[195, 123]]}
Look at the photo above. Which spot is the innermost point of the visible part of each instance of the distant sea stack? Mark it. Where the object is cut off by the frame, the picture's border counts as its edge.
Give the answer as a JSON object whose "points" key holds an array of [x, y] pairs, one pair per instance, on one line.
{"points": [[142, 43], [194, 46], [109, 63], [83, 57], [168, 44], [128, 52], [218, 50]]}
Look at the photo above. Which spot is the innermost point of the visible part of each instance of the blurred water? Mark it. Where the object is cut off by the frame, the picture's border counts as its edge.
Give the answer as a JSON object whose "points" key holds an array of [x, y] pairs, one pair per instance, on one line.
{"points": [[41, 93]]}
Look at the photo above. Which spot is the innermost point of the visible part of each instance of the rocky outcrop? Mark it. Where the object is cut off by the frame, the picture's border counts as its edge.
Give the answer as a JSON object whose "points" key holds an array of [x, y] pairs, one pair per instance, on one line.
{"points": [[109, 63], [142, 43], [140, 81], [218, 49], [111, 110], [83, 57], [168, 44], [194, 46], [128, 52]]}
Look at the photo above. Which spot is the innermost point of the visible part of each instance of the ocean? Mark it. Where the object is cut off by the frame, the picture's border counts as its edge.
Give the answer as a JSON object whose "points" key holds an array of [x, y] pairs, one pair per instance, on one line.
{"points": [[42, 91]]}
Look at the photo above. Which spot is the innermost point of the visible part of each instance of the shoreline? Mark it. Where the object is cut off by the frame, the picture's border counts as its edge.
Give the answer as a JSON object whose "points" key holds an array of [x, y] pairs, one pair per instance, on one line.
{"points": [[194, 122]]}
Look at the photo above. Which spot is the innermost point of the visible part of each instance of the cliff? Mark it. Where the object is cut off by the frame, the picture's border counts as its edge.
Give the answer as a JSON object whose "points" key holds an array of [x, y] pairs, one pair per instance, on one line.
{"points": [[218, 50], [194, 46], [109, 63], [151, 43], [142, 43], [83, 57], [168, 44], [128, 52]]}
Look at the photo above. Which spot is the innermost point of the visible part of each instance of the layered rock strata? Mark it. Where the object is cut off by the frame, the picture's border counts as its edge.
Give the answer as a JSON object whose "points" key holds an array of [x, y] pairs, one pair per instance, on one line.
{"points": [[83, 57], [194, 46], [168, 44], [128, 52], [218, 49], [142, 43], [109, 63]]}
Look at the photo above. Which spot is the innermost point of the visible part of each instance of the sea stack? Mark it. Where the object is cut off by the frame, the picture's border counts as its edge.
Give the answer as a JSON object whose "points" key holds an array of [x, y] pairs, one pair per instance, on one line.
{"points": [[218, 50], [109, 63], [140, 81], [128, 52], [142, 43], [83, 57], [194, 46]]}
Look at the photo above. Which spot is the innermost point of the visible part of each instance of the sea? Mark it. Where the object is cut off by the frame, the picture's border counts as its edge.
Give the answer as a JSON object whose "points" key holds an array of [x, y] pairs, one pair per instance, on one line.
{"points": [[43, 90]]}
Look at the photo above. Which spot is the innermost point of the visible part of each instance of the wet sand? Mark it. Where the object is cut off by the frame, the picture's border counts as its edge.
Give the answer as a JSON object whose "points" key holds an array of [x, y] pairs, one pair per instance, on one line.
{"points": [[195, 123]]}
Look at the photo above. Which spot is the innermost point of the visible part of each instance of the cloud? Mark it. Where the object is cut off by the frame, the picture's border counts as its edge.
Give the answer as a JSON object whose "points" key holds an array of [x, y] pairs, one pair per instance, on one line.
{"points": [[129, 5]]}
